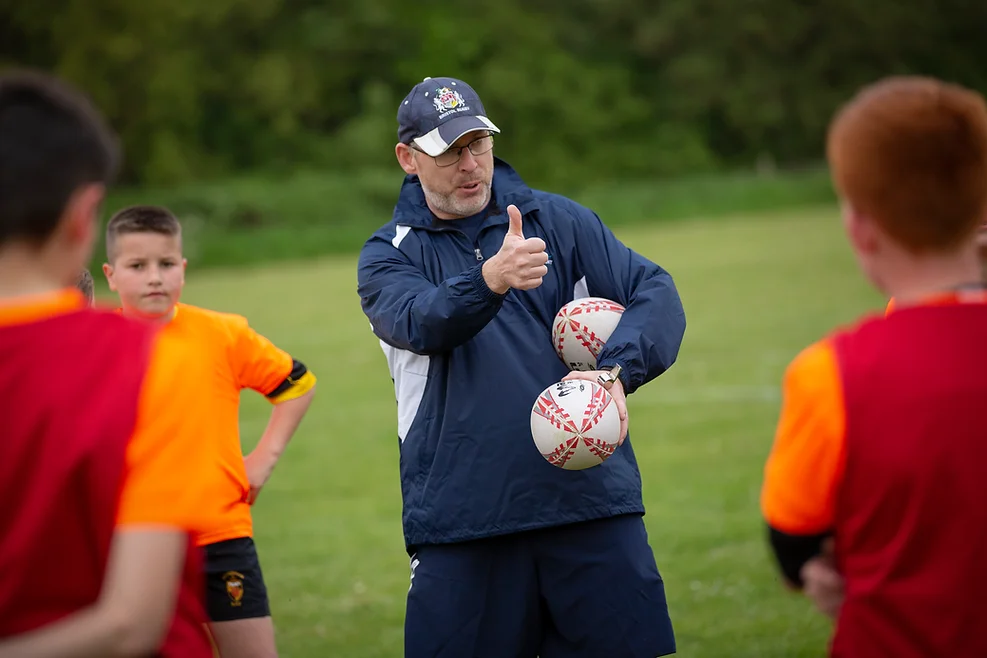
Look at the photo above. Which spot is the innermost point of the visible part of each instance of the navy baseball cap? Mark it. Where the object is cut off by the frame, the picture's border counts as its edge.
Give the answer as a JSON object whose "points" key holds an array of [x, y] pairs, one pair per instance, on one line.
{"points": [[437, 112]]}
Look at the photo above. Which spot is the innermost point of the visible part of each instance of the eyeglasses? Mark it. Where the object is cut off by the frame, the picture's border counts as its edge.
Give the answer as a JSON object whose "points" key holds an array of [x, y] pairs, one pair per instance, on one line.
{"points": [[478, 146]]}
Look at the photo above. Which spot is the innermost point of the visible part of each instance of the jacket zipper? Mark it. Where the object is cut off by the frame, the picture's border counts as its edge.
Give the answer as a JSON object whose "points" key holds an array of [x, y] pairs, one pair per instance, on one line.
{"points": [[476, 248]]}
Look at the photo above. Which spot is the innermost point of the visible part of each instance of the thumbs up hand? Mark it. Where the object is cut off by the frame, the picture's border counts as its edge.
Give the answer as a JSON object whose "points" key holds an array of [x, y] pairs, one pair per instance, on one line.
{"points": [[514, 217], [520, 263]]}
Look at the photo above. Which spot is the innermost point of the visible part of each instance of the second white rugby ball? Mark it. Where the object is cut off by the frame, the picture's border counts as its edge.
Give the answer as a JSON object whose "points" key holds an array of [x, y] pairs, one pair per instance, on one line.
{"points": [[581, 329]]}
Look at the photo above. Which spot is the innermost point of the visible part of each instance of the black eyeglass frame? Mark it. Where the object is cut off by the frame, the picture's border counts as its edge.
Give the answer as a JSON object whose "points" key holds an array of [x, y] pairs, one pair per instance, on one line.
{"points": [[458, 150]]}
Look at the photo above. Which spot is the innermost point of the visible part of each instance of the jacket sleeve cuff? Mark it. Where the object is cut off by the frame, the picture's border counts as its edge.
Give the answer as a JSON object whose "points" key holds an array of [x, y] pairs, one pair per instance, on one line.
{"points": [[481, 287], [624, 376]]}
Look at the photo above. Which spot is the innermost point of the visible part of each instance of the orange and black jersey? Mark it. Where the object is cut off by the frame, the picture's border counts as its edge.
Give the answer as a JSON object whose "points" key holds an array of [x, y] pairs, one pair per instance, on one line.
{"points": [[229, 356]]}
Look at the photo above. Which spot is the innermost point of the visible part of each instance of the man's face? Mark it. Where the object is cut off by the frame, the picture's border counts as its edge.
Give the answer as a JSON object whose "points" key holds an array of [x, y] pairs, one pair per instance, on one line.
{"points": [[460, 189], [148, 272]]}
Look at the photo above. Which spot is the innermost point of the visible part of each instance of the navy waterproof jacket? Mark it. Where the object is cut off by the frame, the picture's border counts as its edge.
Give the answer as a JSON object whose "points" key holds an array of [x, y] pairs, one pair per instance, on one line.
{"points": [[468, 364]]}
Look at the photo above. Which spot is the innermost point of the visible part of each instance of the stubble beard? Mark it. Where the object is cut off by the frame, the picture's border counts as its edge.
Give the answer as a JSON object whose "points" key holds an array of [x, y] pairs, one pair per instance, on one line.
{"points": [[450, 204]]}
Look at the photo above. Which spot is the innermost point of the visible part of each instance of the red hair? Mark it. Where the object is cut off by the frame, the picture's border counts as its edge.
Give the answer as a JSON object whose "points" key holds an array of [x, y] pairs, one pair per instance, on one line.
{"points": [[911, 153]]}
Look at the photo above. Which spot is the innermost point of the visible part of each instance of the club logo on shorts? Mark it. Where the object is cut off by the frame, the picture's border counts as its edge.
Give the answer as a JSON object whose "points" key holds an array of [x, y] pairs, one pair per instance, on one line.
{"points": [[234, 587], [447, 99]]}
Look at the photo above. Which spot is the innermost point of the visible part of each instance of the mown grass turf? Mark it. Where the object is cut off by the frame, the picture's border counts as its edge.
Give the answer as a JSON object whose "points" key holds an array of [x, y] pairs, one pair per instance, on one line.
{"points": [[756, 290]]}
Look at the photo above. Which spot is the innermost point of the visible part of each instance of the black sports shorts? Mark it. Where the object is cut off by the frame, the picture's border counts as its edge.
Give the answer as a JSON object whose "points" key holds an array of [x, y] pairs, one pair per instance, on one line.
{"points": [[235, 586]]}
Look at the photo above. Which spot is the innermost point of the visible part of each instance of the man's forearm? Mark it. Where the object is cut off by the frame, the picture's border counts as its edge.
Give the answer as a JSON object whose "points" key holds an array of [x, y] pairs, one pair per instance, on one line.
{"points": [[431, 319]]}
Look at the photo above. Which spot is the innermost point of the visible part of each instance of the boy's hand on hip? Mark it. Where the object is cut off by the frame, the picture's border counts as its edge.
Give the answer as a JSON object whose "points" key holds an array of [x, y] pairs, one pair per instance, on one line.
{"points": [[259, 465]]}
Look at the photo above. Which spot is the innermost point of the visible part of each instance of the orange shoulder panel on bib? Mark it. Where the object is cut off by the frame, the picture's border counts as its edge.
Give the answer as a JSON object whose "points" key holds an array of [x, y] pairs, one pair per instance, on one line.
{"points": [[806, 461]]}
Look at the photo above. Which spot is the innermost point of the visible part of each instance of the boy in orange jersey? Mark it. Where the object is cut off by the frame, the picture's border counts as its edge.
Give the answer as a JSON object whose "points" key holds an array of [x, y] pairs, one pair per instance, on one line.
{"points": [[147, 270], [873, 492], [96, 557]]}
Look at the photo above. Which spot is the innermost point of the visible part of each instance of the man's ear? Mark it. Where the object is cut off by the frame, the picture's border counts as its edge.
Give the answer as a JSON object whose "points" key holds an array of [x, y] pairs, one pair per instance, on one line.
{"points": [[406, 158]]}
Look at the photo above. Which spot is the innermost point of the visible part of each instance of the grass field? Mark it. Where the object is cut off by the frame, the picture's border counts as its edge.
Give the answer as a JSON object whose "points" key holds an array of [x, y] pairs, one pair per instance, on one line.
{"points": [[755, 289]]}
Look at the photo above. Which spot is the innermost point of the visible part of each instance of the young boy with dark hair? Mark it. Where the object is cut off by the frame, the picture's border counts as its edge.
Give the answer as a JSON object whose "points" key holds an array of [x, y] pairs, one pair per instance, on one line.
{"points": [[878, 466], [146, 269], [96, 557]]}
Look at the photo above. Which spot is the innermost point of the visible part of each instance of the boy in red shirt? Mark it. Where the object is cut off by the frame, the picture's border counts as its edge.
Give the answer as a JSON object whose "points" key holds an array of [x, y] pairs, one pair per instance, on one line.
{"points": [[97, 557], [877, 473]]}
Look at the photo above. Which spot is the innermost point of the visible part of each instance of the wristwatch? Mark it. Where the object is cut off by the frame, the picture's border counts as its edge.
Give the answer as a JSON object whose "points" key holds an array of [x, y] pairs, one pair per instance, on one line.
{"points": [[609, 377]]}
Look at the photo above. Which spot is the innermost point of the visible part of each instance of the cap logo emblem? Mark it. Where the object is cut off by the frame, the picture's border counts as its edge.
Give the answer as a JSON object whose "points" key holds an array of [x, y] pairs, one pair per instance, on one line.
{"points": [[448, 100]]}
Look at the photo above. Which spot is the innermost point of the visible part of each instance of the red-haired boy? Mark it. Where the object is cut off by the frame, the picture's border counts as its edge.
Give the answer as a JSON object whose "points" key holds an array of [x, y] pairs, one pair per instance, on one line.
{"points": [[880, 456]]}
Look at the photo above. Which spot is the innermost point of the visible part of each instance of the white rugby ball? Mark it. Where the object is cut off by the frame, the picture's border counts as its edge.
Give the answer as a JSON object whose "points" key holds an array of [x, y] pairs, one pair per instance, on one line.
{"points": [[575, 424], [581, 329]]}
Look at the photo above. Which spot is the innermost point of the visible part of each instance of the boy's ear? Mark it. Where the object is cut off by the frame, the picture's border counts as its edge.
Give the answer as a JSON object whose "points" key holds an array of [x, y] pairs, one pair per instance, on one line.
{"points": [[860, 230], [81, 212], [108, 273]]}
